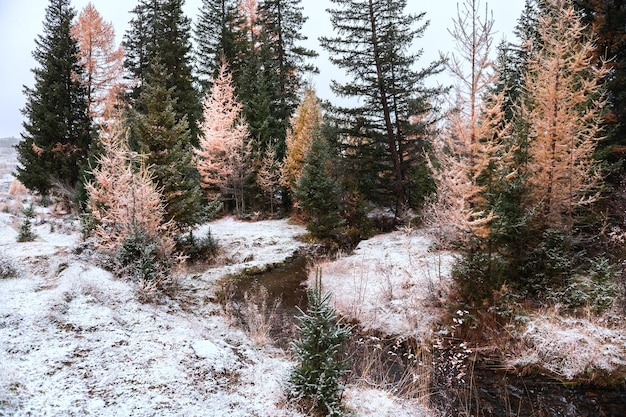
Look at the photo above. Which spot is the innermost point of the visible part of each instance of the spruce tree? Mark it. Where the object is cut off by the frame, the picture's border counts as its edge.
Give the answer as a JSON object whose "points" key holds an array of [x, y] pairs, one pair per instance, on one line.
{"points": [[321, 361], [281, 31], [57, 141], [219, 31], [160, 32], [318, 193], [166, 144], [606, 18], [388, 130]]}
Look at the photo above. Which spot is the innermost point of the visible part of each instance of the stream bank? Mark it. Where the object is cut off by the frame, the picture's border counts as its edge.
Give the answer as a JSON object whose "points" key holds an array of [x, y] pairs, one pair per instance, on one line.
{"points": [[403, 366]]}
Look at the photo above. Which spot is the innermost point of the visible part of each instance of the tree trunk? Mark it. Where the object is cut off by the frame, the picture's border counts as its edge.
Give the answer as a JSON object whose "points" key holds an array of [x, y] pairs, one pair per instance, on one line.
{"points": [[391, 139]]}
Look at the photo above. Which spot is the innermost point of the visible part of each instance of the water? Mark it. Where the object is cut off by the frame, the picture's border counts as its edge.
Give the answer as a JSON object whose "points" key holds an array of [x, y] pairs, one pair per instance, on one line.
{"points": [[495, 392]]}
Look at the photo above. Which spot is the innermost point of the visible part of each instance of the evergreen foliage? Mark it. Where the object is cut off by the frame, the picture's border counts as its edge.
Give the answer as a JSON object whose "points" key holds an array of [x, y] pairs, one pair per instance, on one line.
{"points": [[220, 31], [281, 24], [160, 33], [26, 233], [57, 141], [321, 360], [318, 192], [386, 134], [166, 143], [607, 17]]}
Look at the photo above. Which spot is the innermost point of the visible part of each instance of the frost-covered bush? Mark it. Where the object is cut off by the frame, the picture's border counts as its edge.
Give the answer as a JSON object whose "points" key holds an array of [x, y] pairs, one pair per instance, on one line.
{"points": [[197, 248], [317, 379], [8, 268], [138, 257]]}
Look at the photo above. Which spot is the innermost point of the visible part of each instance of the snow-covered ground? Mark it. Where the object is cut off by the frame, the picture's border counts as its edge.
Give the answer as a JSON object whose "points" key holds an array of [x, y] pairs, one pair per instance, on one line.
{"points": [[397, 283], [392, 282], [76, 341]]}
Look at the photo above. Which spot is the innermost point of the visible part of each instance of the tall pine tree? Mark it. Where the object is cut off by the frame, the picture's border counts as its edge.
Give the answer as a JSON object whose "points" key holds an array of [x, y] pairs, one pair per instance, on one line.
{"points": [[281, 26], [388, 129], [220, 30], [161, 33], [166, 143], [57, 139]]}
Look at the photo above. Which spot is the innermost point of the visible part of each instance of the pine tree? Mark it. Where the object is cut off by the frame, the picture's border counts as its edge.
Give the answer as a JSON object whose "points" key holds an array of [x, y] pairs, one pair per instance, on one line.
{"points": [[220, 31], [161, 33], [102, 61], [223, 155], [57, 140], [564, 109], [372, 44], [281, 26], [166, 143], [317, 378], [318, 193]]}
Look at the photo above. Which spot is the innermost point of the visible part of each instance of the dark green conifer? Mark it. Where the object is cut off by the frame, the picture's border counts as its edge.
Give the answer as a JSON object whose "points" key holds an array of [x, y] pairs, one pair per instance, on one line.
{"points": [[318, 193], [165, 142], [57, 140], [388, 129], [160, 32], [220, 31]]}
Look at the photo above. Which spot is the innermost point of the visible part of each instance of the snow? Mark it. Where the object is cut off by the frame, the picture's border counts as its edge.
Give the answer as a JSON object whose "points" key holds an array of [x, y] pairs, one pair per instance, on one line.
{"points": [[392, 283], [76, 341], [570, 347]]}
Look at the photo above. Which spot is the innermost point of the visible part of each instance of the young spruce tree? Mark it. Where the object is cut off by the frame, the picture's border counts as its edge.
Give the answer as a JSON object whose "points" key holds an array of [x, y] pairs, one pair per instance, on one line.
{"points": [[318, 193], [322, 364]]}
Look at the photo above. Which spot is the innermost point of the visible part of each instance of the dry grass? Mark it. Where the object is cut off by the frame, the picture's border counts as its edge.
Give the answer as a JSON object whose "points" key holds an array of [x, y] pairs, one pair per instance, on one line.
{"points": [[401, 367], [256, 313], [393, 283], [572, 349]]}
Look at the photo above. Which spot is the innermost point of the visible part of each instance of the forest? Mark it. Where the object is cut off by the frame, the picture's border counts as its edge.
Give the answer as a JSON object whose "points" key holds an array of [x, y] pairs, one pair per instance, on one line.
{"points": [[516, 167]]}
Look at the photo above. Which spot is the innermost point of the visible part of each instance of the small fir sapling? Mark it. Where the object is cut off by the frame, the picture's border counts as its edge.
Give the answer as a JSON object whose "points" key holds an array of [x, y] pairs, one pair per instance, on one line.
{"points": [[322, 361], [26, 233]]}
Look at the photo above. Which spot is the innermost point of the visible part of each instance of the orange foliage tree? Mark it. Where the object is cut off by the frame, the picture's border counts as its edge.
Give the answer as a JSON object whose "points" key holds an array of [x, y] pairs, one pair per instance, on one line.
{"points": [[472, 153], [102, 61], [223, 155], [305, 121], [123, 200], [564, 108]]}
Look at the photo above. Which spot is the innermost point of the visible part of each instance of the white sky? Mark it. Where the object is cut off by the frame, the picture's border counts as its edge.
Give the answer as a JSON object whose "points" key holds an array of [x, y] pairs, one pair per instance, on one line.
{"points": [[21, 21]]}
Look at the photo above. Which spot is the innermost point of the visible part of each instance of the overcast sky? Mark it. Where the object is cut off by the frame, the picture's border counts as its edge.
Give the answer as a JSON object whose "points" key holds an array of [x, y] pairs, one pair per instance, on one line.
{"points": [[21, 21]]}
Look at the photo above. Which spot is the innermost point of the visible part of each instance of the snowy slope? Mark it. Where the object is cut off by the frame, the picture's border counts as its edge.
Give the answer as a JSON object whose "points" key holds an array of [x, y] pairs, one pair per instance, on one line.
{"points": [[75, 341]]}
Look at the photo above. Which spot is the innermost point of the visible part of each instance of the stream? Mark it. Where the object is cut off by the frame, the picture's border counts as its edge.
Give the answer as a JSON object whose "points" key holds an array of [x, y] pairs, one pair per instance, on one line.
{"points": [[389, 363]]}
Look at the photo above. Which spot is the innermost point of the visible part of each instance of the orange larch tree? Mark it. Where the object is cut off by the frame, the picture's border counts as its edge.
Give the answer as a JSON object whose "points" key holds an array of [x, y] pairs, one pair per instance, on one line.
{"points": [[565, 101], [223, 155], [471, 152], [123, 200], [102, 60], [305, 121]]}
